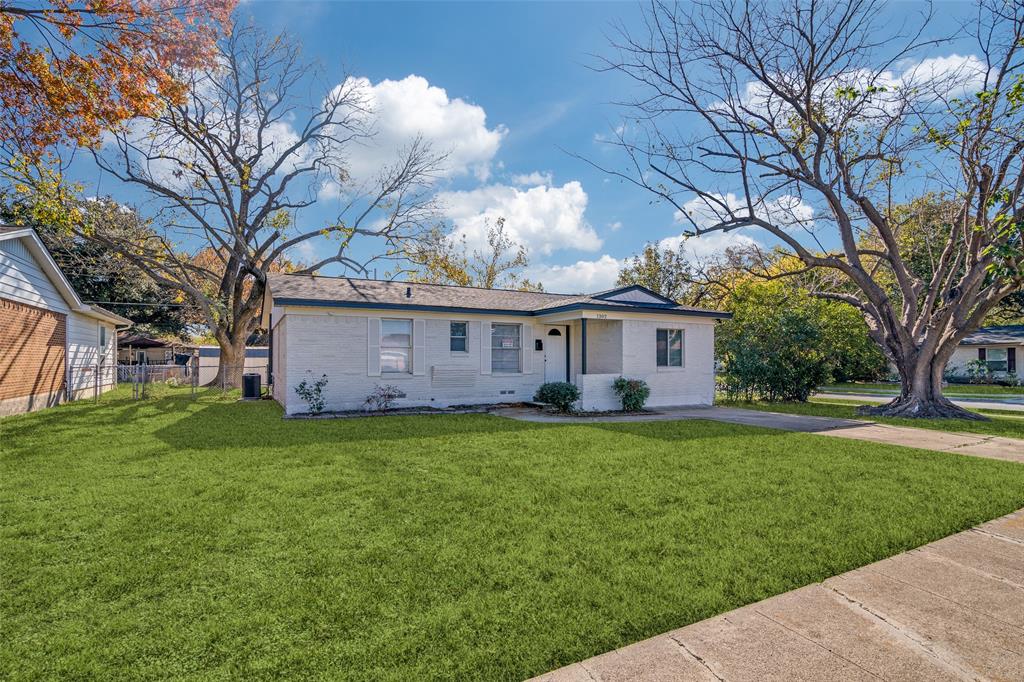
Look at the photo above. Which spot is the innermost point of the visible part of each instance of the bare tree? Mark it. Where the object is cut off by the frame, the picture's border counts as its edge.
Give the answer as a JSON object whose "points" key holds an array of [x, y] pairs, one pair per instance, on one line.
{"points": [[230, 165], [813, 120]]}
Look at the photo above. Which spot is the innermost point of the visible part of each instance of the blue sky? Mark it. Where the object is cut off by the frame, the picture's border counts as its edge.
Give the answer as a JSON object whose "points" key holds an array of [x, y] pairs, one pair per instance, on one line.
{"points": [[507, 87]]}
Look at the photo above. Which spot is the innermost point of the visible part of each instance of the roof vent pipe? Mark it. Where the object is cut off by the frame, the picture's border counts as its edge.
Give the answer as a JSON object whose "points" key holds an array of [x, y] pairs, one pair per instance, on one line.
{"points": [[408, 292]]}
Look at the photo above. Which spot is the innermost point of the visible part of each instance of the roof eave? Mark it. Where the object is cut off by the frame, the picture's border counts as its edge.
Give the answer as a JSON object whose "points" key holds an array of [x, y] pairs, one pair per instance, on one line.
{"points": [[366, 305]]}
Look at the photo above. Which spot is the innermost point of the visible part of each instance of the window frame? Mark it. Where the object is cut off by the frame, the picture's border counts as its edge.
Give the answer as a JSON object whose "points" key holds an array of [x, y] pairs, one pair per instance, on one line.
{"points": [[464, 337], [669, 333], [990, 361], [381, 346], [518, 347], [102, 346]]}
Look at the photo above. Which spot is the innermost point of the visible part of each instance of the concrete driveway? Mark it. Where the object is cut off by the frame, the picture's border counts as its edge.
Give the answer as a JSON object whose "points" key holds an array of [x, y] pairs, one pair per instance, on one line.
{"points": [[996, 447]]}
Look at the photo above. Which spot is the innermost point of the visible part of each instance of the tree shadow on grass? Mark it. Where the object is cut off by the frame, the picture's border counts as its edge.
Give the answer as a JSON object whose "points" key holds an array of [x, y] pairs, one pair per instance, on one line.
{"points": [[688, 429], [259, 425]]}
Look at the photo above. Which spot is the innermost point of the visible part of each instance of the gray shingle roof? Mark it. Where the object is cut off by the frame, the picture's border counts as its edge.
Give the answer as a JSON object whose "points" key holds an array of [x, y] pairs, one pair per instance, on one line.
{"points": [[286, 289], [1011, 333]]}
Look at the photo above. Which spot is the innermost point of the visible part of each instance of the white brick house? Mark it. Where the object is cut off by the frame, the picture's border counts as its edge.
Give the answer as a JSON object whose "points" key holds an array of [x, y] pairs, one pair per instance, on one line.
{"points": [[997, 347], [444, 346]]}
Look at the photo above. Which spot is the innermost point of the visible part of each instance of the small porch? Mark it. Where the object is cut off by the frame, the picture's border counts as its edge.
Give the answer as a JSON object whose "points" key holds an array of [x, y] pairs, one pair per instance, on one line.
{"points": [[587, 352], [591, 348]]}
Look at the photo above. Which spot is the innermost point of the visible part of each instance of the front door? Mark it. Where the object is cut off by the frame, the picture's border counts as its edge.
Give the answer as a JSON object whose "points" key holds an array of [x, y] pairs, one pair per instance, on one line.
{"points": [[554, 354]]}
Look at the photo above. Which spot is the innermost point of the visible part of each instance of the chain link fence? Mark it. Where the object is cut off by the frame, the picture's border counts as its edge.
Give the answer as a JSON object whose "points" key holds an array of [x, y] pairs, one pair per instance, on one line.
{"points": [[154, 381]]}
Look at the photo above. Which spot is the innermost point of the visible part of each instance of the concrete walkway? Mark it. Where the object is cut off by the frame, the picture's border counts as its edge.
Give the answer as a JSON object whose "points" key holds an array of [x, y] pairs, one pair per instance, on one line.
{"points": [[951, 610], [995, 447]]}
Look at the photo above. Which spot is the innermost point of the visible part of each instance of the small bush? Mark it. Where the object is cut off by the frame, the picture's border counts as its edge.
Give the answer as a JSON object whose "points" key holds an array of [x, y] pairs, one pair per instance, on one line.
{"points": [[313, 394], [561, 394], [383, 397], [632, 392]]}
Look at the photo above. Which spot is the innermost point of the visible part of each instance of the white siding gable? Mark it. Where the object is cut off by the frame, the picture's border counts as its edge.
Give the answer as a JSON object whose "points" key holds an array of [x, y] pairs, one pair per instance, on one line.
{"points": [[22, 280]]}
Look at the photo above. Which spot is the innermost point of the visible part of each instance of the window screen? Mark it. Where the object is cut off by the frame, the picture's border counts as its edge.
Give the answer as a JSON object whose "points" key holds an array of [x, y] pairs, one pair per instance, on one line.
{"points": [[505, 348]]}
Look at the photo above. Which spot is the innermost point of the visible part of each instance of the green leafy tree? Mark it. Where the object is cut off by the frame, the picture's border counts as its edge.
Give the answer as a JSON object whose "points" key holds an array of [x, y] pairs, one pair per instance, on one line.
{"points": [[439, 259], [663, 271], [773, 348]]}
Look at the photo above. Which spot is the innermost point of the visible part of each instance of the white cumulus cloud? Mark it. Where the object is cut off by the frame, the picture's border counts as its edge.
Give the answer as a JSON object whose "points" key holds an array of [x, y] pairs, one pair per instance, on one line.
{"points": [[534, 178], [581, 277], [401, 110], [542, 218], [785, 210], [711, 244]]}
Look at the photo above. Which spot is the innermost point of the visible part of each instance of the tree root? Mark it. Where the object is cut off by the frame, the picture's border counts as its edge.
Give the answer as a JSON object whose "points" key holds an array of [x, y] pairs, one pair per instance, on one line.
{"points": [[919, 408]]}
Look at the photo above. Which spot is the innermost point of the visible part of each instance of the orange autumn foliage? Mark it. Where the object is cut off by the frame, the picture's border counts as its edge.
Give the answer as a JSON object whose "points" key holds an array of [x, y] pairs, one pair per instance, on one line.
{"points": [[70, 70]]}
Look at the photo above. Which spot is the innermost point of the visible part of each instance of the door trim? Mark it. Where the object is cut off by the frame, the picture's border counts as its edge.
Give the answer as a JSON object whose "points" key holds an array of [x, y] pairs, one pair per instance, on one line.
{"points": [[564, 330]]}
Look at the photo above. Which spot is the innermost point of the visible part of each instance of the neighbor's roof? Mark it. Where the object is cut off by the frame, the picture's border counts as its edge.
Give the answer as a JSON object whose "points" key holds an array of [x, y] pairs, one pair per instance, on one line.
{"points": [[1011, 333], [348, 292], [147, 341], [53, 272]]}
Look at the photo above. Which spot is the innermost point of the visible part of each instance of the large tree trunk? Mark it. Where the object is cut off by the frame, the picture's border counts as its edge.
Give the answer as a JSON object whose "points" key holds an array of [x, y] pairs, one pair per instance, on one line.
{"points": [[232, 359], [921, 392]]}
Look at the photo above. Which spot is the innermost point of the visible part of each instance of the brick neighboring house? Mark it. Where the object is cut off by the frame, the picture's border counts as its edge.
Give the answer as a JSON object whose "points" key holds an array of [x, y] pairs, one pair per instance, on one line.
{"points": [[53, 347]]}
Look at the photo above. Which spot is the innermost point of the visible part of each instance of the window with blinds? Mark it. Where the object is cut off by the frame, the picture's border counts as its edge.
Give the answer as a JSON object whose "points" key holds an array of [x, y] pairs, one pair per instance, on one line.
{"points": [[506, 348]]}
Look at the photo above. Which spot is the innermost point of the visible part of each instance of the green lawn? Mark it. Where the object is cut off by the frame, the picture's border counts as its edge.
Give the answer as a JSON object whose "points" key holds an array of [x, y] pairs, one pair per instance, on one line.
{"points": [[1001, 422], [212, 539], [950, 389]]}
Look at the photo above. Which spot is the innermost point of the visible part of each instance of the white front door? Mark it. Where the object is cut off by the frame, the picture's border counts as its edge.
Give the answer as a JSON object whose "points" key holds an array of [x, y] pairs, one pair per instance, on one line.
{"points": [[554, 353]]}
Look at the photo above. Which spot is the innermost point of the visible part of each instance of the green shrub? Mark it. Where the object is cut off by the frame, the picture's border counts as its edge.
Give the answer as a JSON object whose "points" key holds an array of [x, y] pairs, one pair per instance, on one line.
{"points": [[313, 393], [561, 394], [632, 392]]}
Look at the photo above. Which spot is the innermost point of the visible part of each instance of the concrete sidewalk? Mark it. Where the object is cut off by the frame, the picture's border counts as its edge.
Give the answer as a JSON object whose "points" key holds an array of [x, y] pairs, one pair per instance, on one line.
{"points": [[996, 447], [951, 610]]}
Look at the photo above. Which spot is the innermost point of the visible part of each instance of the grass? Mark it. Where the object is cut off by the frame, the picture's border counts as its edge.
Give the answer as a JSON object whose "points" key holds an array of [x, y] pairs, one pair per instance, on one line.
{"points": [[950, 389], [1005, 423], [211, 539]]}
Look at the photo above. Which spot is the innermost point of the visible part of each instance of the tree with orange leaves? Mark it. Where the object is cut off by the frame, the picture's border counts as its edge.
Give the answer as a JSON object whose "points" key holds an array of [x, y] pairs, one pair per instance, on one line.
{"points": [[71, 70]]}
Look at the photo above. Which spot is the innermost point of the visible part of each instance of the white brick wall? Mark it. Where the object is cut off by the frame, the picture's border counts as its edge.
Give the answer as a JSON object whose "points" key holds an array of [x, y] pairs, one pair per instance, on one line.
{"points": [[335, 344], [310, 342], [964, 354], [692, 384], [604, 346]]}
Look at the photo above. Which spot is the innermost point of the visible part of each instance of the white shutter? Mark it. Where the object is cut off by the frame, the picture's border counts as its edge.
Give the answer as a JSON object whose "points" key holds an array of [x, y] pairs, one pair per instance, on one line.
{"points": [[373, 346], [419, 354], [485, 347], [527, 343]]}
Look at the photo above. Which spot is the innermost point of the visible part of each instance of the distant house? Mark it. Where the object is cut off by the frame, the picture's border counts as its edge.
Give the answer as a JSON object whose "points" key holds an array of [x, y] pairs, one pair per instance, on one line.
{"points": [[53, 347], [257, 359], [444, 345], [998, 347], [142, 349]]}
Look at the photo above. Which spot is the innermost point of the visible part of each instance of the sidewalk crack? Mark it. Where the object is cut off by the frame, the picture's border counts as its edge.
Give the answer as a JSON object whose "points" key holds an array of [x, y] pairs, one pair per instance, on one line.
{"points": [[697, 658], [970, 569], [818, 644], [997, 536], [943, 658]]}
